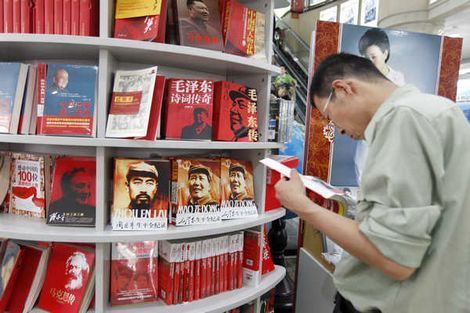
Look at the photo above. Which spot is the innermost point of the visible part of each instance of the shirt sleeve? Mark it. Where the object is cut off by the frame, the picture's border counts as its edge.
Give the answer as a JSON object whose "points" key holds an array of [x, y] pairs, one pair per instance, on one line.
{"points": [[401, 188]]}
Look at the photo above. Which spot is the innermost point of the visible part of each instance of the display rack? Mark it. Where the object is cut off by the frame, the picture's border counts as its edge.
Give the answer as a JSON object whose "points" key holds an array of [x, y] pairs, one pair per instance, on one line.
{"points": [[111, 54]]}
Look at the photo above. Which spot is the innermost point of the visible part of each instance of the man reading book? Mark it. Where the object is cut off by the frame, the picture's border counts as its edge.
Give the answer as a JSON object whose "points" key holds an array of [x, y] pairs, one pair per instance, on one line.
{"points": [[409, 247]]}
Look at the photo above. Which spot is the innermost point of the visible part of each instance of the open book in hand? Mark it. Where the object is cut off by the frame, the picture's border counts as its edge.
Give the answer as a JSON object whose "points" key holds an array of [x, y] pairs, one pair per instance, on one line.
{"points": [[312, 183]]}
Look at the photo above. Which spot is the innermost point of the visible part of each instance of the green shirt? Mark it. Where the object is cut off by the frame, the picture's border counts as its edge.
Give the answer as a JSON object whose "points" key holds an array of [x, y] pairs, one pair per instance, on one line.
{"points": [[415, 207]]}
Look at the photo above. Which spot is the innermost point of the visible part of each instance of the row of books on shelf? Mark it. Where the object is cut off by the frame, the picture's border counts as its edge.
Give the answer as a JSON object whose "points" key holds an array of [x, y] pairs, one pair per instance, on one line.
{"points": [[58, 277], [60, 99], [60, 17], [222, 25], [147, 193]]}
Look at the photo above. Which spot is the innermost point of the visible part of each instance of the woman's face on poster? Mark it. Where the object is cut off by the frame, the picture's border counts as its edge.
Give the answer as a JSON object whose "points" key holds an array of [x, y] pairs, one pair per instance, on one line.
{"points": [[377, 56]]}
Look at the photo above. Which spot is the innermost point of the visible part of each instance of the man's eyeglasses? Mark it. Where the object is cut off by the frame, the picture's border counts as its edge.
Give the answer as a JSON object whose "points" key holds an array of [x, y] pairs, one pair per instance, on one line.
{"points": [[325, 121]]}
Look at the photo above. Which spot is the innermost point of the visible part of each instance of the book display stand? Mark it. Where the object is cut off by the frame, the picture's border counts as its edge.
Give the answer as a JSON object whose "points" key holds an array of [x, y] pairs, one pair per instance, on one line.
{"points": [[111, 54]]}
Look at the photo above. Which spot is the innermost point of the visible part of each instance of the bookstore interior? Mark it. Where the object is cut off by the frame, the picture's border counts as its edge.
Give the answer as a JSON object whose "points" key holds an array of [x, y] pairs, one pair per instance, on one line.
{"points": [[141, 142]]}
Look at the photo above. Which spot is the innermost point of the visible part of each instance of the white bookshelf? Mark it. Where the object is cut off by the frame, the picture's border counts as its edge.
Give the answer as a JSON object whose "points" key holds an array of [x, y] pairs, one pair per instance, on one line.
{"points": [[218, 303], [13, 227], [111, 54]]}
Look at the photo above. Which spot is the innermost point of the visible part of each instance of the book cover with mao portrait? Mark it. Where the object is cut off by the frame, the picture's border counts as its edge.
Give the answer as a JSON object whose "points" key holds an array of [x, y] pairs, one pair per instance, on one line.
{"points": [[195, 192], [237, 195]]}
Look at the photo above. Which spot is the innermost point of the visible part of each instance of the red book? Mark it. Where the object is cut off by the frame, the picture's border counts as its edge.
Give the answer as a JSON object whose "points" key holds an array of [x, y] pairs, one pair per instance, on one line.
{"points": [[177, 283], [169, 271], [16, 16], [88, 19], [41, 96], [10, 267], [203, 278], [73, 199], [235, 112], [193, 32], [272, 177], [58, 17], [244, 29], [67, 17], [188, 105], [48, 16], [69, 292], [26, 18], [148, 28], [1, 17], [267, 264], [75, 18], [251, 257], [240, 254], [134, 272], [197, 270], [8, 16], [154, 126], [25, 278], [39, 16]]}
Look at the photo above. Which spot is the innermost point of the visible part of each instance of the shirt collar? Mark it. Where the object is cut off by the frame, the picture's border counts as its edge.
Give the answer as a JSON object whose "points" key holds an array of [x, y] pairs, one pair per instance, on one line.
{"points": [[384, 108]]}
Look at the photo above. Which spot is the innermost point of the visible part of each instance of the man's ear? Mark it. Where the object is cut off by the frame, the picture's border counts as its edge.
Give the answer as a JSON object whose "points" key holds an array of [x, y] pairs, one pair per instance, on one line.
{"points": [[343, 85]]}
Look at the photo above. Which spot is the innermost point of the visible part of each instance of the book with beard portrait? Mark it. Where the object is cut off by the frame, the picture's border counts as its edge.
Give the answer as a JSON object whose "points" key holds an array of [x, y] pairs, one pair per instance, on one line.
{"points": [[70, 279], [195, 192], [237, 194], [141, 194]]}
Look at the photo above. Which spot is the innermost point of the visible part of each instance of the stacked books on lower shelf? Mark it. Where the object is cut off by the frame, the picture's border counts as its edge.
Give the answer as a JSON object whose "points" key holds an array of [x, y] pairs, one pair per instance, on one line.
{"points": [[60, 277]]}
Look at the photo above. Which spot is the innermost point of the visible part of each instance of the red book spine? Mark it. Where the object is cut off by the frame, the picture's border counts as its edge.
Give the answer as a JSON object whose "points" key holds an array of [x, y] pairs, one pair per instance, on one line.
{"points": [[39, 18], [166, 271], [16, 16], [197, 279], [75, 18], [203, 278], [218, 91], [240, 269], [1, 17], [48, 16], [8, 16], [85, 18], [41, 96], [58, 17], [67, 18], [153, 130], [162, 23], [232, 271], [176, 282], [25, 16], [213, 278]]}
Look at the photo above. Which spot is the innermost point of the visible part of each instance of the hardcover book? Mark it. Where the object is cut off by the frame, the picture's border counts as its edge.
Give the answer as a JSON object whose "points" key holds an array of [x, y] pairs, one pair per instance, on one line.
{"points": [[141, 194], [73, 199], [244, 30], [131, 103], [188, 104], [198, 24], [235, 112], [237, 193], [134, 272], [9, 269], [5, 168], [70, 101], [12, 84], [139, 21], [195, 192], [70, 278], [27, 185], [171, 255], [251, 257]]}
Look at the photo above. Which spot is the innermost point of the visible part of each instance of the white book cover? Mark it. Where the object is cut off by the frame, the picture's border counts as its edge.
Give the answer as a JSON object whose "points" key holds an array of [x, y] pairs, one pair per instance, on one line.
{"points": [[124, 119]]}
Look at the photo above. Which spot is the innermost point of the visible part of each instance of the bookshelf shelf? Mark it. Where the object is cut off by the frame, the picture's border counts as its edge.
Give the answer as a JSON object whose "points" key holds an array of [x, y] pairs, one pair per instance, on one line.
{"points": [[129, 143], [17, 47], [14, 227], [218, 303]]}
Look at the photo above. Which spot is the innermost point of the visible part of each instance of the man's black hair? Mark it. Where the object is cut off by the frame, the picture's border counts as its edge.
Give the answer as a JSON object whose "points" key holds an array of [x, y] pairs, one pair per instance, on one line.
{"points": [[339, 66], [189, 3], [65, 181], [199, 111], [377, 37]]}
